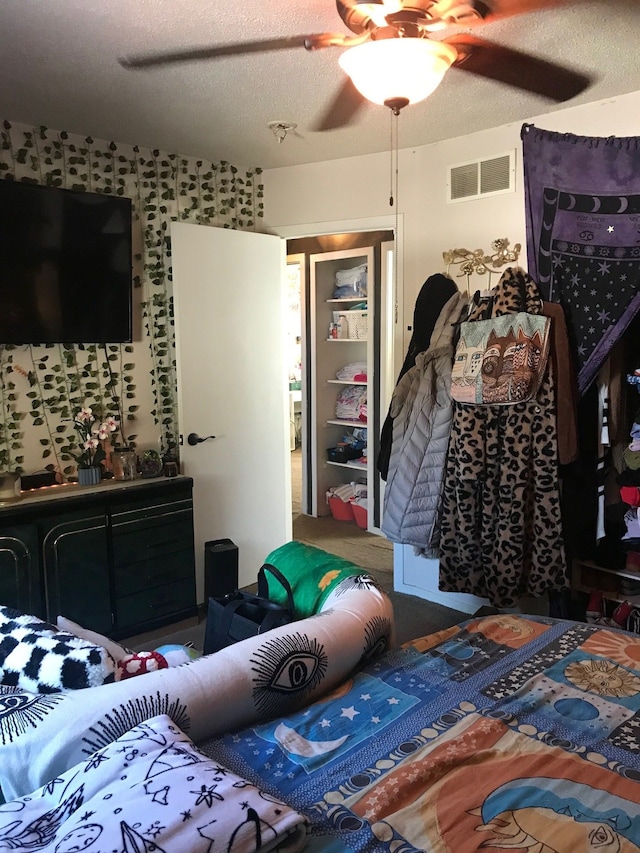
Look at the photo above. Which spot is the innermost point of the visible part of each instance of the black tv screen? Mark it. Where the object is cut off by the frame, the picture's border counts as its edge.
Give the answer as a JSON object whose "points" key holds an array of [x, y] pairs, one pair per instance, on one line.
{"points": [[65, 266]]}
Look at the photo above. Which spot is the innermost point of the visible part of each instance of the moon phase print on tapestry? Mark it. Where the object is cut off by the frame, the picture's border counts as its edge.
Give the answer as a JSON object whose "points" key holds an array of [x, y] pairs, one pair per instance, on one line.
{"points": [[582, 199]]}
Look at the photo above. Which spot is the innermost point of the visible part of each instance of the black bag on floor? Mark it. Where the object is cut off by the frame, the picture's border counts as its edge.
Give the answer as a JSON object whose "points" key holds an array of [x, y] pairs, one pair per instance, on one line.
{"points": [[241, 614]]}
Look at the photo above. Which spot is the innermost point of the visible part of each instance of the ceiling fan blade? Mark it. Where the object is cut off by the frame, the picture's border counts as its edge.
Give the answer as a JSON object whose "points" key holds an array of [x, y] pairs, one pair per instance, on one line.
{"points": [[510, 8], [343, 109], [516, 68], [310, 42]]}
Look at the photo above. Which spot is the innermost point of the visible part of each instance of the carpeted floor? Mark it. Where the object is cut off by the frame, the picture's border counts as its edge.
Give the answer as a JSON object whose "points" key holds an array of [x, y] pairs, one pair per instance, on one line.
{"points": [[347, 540], [414, 617]]}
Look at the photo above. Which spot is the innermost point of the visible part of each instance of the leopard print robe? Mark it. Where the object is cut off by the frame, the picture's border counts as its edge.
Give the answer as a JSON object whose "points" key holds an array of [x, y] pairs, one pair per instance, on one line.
{"points": [[500, 524]]}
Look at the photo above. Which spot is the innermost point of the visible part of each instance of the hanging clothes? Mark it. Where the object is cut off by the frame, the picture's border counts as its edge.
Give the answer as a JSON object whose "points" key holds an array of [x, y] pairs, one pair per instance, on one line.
{"points": [[566, 384], [500, 524], [421, 415], [433, 295]]}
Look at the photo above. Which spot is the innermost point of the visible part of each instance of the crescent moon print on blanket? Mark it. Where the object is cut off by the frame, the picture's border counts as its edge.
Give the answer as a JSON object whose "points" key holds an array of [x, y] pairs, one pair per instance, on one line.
{"points": [[297, 744]]}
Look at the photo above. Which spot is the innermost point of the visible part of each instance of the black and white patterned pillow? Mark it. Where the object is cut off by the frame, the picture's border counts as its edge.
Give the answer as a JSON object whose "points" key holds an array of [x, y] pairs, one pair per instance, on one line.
{"points": [[37, 657]]}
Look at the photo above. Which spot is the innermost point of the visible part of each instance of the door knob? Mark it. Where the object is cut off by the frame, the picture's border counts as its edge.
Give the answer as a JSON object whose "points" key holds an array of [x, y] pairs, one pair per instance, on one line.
{"points": [[193, 438]]}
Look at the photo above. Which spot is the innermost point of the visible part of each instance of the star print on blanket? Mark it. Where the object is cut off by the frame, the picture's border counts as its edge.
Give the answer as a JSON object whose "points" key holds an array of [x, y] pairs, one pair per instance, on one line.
{"points": [[583, 235], [524, 736], [150, 790]]}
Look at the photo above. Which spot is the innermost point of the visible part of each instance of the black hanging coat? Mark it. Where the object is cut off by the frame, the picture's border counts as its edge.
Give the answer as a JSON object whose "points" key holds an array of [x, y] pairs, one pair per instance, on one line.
{"points": [[433, 296]]}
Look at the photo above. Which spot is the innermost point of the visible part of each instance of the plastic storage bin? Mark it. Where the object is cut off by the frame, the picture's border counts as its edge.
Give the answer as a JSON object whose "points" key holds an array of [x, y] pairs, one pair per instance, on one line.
{"points": [[361, 515], [340, 510], [343, 453]]}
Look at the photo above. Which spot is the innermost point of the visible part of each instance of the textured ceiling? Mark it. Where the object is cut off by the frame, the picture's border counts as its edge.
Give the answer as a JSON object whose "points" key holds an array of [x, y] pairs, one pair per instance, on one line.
{"points": [[59, 68]]}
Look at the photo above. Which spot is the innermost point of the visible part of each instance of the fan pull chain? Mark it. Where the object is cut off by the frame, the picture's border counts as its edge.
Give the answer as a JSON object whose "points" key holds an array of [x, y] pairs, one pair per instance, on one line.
{"points": [[392, 150], [393, 201]]}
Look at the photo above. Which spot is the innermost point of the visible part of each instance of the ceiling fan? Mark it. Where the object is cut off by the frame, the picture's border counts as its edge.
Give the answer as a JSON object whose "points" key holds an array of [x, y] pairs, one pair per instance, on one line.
{"points": [[388, 33]]}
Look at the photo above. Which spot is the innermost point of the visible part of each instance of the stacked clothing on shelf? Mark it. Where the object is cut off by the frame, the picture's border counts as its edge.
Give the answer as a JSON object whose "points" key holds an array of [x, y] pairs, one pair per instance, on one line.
{"points": [[351, 282], [355, 371], [357, 440], [351, 404]]}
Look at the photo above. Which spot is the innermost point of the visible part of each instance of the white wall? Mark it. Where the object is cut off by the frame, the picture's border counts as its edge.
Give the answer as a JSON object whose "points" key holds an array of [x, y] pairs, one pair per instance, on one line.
{"points": [[358, 188]]}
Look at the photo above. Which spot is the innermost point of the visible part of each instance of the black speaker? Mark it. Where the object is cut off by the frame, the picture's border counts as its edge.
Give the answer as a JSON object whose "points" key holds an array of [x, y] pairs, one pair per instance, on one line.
{"points": [[220, 568]]}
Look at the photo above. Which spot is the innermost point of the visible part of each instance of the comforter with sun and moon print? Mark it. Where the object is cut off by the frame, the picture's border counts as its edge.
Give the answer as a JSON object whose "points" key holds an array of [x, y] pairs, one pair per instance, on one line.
{"points": [[502, 733]]}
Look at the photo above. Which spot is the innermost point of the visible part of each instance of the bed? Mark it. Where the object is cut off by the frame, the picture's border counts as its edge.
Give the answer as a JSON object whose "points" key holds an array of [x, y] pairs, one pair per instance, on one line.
{"points": [[501, 733], [505, 732]]}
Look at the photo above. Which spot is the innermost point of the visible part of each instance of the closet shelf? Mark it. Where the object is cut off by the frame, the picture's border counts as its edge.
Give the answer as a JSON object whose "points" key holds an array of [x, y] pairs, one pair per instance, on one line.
{"points": [[588, 576], [345, 382], [358, 466], [620, 573], [346, 340], [345, 422], [349, 299], [608, 595]]}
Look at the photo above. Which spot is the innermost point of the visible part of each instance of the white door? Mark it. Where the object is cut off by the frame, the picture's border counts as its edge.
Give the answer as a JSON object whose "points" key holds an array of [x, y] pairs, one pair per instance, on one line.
{"points": [[228, 289]]}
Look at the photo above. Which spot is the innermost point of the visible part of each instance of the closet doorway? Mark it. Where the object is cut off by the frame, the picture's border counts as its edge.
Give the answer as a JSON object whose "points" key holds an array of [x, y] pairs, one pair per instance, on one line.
{"points": [[385, 334]]}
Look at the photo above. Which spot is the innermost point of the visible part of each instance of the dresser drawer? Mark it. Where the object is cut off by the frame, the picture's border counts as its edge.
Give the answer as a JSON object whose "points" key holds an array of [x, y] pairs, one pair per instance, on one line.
{"points": [[137, 512], [139, 541], [178, 598], [162, 569]]}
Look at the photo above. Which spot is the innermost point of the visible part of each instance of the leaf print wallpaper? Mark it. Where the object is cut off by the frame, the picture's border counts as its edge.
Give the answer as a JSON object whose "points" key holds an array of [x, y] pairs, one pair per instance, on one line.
{"points": [[42, 386]]}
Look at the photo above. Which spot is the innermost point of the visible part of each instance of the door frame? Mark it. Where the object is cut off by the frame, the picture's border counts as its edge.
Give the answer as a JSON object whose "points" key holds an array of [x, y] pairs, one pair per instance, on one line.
{"points": [[391, 222]]}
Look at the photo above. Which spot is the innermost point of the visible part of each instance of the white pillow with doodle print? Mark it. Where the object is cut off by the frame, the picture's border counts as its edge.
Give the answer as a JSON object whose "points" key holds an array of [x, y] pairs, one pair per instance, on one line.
{"points": [[151, 789]]}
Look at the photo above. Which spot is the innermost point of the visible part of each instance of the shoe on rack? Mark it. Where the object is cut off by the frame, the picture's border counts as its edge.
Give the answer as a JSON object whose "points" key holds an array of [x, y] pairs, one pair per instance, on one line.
{"points": [[621, 614], [595, 607]]}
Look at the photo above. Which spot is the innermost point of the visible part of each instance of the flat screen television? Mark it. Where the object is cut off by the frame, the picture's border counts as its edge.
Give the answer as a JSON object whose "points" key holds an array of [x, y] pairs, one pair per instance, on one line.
{"points": [[65, 266]]}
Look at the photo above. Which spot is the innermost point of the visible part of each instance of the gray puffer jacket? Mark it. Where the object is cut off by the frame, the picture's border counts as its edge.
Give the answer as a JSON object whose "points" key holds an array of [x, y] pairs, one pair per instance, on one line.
{"points": [[421, 408]]}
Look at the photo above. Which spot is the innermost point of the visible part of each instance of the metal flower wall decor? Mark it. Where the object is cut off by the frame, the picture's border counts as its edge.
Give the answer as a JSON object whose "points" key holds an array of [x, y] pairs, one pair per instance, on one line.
{"points": [[480, 262]]}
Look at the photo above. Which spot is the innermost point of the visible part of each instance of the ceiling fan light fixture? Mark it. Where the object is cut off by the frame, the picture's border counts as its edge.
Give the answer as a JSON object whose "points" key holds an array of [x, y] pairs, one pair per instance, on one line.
{"points": [[378, 11], [397, 68]]}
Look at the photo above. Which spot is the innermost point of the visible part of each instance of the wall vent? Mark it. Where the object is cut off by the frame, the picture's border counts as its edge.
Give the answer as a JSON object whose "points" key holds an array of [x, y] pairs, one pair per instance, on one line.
{"points": [[480, 178]]}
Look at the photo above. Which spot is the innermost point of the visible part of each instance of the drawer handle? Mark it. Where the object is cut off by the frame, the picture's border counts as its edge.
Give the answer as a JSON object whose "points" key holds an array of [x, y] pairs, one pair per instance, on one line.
{"points": [[170, 573]]}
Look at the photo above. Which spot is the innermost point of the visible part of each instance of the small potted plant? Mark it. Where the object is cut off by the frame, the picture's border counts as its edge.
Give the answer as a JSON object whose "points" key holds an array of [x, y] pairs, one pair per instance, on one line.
{"points": [[92, 434]]}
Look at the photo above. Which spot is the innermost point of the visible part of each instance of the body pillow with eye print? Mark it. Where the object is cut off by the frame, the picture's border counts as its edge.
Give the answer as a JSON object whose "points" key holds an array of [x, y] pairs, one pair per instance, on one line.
{"points": [[262, 677]]}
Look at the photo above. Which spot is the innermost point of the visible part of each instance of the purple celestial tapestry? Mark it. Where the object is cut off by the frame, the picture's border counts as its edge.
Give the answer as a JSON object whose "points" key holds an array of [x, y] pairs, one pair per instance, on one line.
{"points": [[582, 197]]}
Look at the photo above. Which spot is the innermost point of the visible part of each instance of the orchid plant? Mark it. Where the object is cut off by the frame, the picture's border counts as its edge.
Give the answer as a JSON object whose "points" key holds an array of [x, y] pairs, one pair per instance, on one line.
{"points": [[92, 434]]}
